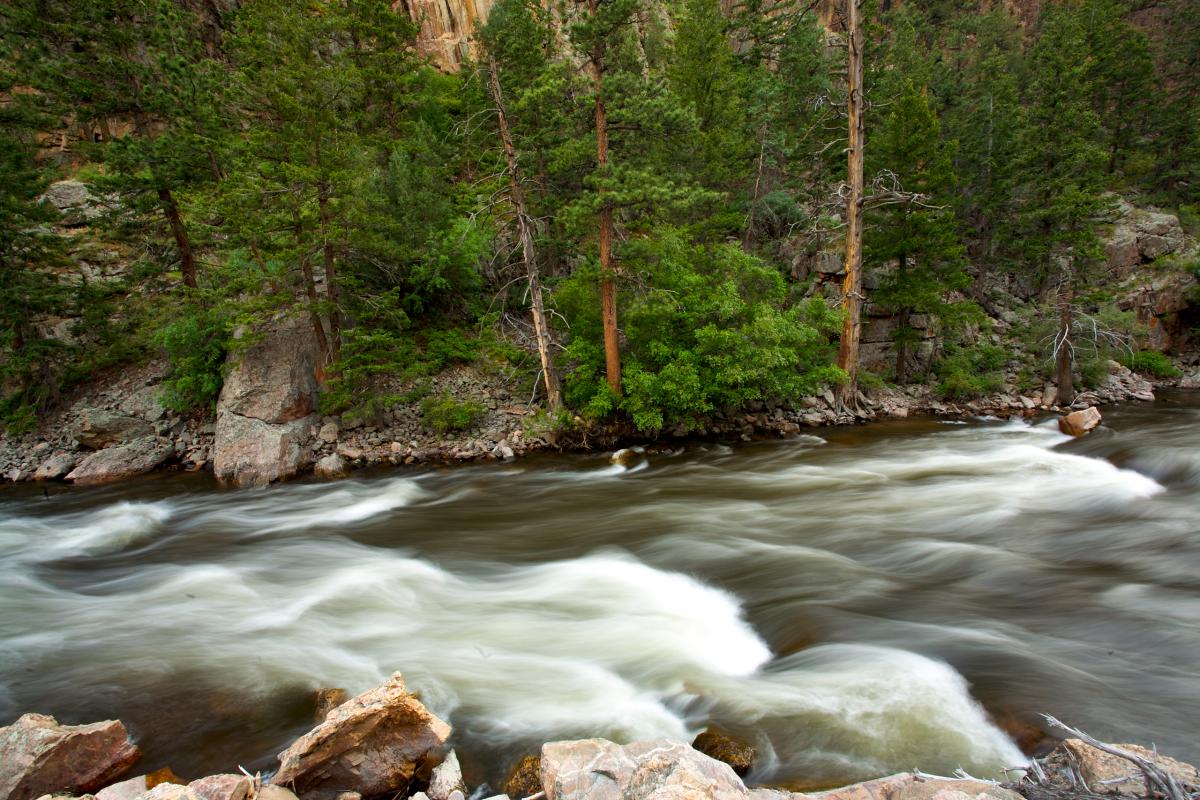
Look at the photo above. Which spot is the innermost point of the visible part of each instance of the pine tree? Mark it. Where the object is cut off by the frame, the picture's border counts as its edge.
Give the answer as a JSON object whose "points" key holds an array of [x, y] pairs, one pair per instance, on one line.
{"points": [[1062, 168], [1122, 80], [144, 62], [918, 236]]}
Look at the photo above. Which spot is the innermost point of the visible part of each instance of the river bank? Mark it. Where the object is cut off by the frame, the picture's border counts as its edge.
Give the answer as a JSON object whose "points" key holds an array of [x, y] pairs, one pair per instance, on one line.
{"points": [[385, 743], [116, 428]]}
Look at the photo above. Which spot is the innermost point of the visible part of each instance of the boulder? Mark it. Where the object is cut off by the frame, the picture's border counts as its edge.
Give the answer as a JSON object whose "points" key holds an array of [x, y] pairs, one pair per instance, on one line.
{"points": [[55, 467], [98, 429], [331, 466], [447, 777], [223, 787], [264, 413], [133, 788], [73, 201], [274, 379], [597, 769], [904, 786], [525, 779], [124, 461], [717, 744], [328, 433], [170, 791], [38, 756], [250, 452], [372, 744], [1077, 423], [1107, 773]]}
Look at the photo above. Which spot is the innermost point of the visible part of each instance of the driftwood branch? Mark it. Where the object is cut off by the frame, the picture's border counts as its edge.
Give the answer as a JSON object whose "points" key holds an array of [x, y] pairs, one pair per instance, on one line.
{"points": [[1159, 782]]}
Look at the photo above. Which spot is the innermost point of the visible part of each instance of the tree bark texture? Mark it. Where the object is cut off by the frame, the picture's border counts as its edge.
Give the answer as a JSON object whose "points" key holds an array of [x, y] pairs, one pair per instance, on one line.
{"points": [[1064, 361], [608, 287], [852, 299], [541, 328]]}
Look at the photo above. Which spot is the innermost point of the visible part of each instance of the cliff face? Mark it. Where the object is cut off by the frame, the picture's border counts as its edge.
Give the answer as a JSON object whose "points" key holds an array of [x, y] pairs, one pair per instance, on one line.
{"points": [[447, 27]]}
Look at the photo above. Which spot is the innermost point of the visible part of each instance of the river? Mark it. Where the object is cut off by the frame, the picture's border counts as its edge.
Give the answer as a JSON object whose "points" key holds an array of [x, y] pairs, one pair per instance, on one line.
{"points": [[858, 601]]}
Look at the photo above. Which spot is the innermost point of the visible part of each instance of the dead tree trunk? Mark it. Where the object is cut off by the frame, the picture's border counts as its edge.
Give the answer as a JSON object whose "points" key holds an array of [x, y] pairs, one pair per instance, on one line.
{"points": [[608, 287], [852, 300], [902, 330], [541, 328], [1063, 344]]}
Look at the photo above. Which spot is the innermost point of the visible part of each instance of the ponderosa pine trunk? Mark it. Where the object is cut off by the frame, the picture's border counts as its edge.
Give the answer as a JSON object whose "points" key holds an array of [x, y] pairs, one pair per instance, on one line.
{"points": [[541, 327], [608, 287], [852, 300], [187, 258]]}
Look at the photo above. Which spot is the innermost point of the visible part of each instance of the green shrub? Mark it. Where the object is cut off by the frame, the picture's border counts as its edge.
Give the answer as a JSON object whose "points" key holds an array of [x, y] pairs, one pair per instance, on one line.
{"points": [[447, 347], [195, 345], [967, 372], [705, 328], [444, 414], [1092, 371], [1153, 363]]}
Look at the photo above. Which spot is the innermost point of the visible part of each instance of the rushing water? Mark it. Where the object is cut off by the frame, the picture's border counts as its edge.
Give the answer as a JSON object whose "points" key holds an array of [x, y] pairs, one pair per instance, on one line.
{"points": [[853, 601]]}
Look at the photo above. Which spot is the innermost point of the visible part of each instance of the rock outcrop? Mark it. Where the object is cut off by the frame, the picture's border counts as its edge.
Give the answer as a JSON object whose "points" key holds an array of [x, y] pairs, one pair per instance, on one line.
{"points": [[263, 413], [38, 756], [1139, 236], [597, 769], [447, 778], [123, 461], [371, 744]]}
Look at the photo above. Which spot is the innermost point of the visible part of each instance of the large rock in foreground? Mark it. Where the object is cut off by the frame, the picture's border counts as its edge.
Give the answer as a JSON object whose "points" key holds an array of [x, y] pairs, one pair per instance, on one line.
{"points": [[263, 412], [1107, 773], [597, 769], [123, 461], [38, 756], [904, 786], [371, 744]]}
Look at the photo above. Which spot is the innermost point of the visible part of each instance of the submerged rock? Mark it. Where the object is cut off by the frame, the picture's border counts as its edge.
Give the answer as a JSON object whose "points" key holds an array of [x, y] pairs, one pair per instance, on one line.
{"points": [[371, 744], [525, 779], [597, 769], [1077, 423], [38, 756], [717, 744]]}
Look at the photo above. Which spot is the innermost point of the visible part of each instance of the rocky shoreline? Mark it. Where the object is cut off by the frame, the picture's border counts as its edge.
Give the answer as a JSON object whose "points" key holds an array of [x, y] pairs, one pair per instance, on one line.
{"points": [[386, 743], [266, 428]]}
